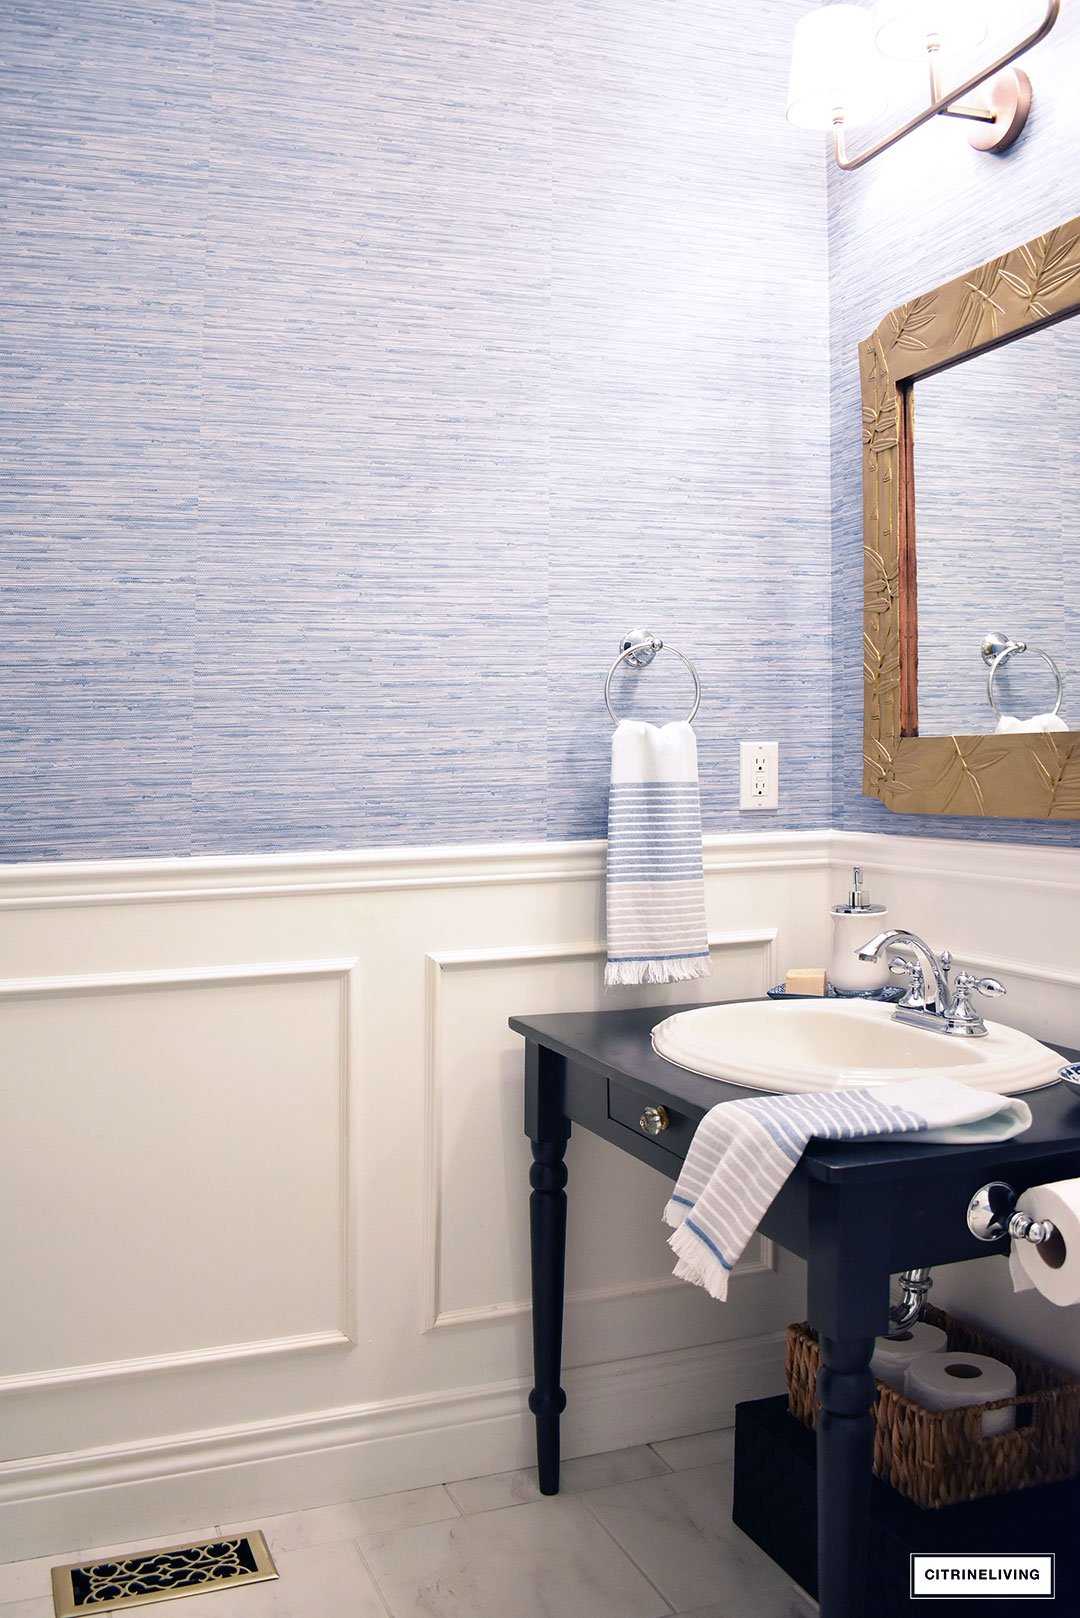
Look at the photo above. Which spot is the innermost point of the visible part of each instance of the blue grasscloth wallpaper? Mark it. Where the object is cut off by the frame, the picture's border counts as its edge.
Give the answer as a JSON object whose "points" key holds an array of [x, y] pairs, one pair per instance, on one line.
{"points": [[367, 370], [912, 219]]}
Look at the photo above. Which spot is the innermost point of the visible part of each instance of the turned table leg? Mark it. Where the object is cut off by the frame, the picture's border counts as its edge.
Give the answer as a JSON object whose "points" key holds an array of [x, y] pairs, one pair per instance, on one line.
{"points": [[845, 1442], [547, 1224]]}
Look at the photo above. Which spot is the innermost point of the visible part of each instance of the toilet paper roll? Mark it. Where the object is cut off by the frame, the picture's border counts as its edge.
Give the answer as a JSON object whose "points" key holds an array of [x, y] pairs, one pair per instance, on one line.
{"points": [[893, 1355], [947, 1381], [1053, 1267]]}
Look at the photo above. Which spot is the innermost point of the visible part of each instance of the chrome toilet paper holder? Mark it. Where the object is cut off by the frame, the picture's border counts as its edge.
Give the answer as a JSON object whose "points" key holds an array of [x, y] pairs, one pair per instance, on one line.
{"points": [[992, 1213]]}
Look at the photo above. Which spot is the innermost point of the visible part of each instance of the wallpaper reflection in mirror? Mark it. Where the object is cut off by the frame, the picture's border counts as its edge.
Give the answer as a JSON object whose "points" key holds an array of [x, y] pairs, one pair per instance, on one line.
{"points": [[997, 522]]}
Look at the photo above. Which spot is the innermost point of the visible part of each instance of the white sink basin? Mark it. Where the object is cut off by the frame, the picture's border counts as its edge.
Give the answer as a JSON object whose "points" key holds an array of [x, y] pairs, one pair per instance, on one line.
{"points": [[830, 1044]]}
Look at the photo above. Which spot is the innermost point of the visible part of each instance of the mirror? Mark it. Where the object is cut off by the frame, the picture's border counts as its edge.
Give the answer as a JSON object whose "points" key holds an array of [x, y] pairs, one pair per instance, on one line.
{"points": [[970, 396], [996, 452]]}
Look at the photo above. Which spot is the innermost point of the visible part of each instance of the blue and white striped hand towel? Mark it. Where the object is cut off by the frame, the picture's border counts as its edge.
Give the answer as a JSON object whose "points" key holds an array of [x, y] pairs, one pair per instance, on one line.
{"points": [[655, 882], [743, 1151]]}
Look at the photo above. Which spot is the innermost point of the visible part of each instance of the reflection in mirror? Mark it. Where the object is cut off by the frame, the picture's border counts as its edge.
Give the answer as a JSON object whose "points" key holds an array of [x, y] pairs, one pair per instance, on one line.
{"points": [[997, 456]]}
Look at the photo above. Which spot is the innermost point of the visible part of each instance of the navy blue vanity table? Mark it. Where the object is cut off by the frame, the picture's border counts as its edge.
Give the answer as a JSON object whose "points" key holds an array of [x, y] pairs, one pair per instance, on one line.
{"points": [[857, 1211]]}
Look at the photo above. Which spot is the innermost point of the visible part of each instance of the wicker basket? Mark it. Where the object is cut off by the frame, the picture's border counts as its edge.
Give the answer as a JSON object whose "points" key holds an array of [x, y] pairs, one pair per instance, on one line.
{"points": [[940, 1457]]}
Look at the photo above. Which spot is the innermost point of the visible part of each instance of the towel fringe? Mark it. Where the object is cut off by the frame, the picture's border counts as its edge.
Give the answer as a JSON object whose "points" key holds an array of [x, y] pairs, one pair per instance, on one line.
{"points": [[623, 973], [696, 1264]]}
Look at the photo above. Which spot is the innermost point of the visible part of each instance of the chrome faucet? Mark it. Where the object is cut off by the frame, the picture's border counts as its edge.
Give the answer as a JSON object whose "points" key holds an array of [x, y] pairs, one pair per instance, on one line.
{"points": [[950, 1010]]}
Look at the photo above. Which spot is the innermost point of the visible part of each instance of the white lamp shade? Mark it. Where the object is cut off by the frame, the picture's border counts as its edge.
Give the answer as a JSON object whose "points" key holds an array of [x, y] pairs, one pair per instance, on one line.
{"points": [[835, 70], [905, 28]]}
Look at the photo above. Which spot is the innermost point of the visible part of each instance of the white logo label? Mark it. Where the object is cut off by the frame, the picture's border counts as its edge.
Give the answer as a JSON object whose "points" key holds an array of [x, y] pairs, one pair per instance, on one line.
{"points": [[979, 1577]]}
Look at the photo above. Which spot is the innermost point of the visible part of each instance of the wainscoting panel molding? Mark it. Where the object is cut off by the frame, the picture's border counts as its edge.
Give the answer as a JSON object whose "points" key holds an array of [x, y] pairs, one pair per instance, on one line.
{"points": [[470, 997], [179, 1204]]}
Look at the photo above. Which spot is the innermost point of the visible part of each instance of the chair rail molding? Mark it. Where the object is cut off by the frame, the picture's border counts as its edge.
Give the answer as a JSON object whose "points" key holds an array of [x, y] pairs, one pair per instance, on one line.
{"points": [[109, 882]]}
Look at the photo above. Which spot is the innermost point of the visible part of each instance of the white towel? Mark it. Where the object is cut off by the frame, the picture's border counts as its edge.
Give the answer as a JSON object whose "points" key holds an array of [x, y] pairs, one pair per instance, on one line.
{"points": [[1009, 725], [743, 1151], [655, 881]]}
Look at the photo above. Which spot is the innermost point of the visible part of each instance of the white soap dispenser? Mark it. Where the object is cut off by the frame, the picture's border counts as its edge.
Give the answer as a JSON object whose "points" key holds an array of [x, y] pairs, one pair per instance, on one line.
{"points": [[854, 924]]}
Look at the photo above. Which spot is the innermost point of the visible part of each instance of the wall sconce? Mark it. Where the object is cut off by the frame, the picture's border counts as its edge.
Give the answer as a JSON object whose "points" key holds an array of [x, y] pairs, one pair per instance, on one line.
{"points": [[838, 71]]}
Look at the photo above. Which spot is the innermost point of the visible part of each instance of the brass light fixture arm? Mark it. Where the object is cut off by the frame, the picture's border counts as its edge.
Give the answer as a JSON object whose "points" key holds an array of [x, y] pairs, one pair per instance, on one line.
{"points": [[945, 103], [977, 114]]}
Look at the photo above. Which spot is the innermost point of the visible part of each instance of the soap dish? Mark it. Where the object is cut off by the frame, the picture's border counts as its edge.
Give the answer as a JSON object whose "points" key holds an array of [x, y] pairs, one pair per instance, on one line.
{"points": [[891, 993]]}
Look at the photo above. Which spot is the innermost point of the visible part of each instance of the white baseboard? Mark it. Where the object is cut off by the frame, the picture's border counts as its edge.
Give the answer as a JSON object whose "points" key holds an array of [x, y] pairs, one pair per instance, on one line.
{"points": [[59, 1503]]}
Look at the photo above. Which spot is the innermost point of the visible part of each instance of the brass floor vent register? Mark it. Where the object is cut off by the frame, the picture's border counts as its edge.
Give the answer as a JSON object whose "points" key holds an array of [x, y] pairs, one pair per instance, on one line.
{"points": [[115, 1583]]}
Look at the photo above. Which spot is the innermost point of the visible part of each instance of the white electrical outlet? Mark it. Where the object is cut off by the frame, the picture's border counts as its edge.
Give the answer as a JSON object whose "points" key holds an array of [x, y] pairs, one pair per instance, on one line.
{"points": [[759, 768]]}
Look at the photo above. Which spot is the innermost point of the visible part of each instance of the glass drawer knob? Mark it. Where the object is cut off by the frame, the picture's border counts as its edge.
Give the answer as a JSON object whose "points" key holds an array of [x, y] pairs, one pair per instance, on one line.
{"points": [[654, 1120]]}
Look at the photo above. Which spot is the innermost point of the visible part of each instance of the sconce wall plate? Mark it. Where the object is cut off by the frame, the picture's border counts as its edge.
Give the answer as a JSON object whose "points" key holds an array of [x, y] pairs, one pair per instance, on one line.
{"points": [[1008, 96]]}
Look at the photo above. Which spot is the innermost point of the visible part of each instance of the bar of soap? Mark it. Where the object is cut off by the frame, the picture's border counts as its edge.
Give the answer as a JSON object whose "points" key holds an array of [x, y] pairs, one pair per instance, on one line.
{"points": [[806, 980]]}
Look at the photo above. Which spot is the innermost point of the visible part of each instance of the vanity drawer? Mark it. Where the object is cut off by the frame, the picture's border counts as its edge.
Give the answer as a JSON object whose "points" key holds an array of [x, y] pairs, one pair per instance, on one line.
{"points": [[672, 1131]]}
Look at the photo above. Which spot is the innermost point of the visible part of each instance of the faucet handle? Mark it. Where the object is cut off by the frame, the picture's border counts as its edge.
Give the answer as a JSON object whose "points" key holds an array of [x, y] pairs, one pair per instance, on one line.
{"points": [[963, 1017], [914, 996], [967, 981]]}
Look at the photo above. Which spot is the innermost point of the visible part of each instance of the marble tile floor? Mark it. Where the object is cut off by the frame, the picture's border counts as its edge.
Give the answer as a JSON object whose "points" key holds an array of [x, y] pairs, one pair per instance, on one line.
{"points": [[638, 1533]]}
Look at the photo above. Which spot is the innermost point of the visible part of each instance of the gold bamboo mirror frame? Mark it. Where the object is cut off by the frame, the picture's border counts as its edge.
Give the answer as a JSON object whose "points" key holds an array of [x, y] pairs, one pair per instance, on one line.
{"points": [[1034, 776]]}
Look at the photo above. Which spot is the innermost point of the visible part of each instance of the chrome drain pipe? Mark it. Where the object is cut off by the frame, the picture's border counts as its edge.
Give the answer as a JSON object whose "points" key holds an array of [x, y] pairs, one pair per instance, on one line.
{"points": [[914, 1285]]}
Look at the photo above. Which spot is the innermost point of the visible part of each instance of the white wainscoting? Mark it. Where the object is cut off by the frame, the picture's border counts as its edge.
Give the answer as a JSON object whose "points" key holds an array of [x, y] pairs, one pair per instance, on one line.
{"points": [[263, 1181], [264, 1184]]}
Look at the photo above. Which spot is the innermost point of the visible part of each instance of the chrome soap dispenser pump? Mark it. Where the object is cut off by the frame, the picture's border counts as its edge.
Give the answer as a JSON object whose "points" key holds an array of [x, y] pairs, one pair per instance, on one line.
{"points": [[853, 923]]}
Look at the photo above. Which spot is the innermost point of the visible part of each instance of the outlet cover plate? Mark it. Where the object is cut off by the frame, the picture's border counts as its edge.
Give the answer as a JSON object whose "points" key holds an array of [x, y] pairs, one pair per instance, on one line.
{"points": [[759, 776]]}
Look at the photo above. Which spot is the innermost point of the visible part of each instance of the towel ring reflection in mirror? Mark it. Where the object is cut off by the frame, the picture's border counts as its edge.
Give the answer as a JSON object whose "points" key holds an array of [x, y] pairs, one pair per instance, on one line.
{"points": [[997, 649], [639, 647]]}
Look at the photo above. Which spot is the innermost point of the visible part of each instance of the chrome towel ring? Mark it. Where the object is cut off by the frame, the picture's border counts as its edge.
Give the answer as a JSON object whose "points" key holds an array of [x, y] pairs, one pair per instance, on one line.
{"points": [[639, 647], [997, 648]]}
